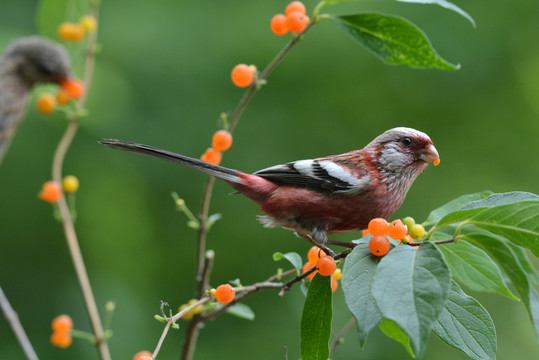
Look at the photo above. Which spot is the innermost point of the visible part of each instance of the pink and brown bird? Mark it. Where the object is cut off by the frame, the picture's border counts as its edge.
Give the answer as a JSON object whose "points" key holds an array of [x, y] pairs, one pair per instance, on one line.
{"points": [[332, 194], [26, 62]]}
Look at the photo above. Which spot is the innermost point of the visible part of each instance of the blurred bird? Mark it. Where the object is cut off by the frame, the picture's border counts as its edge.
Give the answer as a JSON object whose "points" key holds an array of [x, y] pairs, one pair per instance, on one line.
{"points": [[332, 194], [27, 61]]}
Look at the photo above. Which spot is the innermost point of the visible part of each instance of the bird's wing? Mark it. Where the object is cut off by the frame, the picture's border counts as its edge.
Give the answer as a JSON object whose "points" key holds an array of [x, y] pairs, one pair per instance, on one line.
{"points": [[322, 175]]}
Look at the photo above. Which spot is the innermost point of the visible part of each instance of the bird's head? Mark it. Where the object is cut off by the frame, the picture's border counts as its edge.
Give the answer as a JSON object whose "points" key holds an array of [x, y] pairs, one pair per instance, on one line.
{"points": [[35, 59], [402, 151]]}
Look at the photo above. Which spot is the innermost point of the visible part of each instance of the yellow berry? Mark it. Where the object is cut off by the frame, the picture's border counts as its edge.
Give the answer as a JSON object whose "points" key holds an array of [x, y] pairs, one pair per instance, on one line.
{"points": [[70, 184], [408, 221], [88, 23], [337, 275], [417, 231]]}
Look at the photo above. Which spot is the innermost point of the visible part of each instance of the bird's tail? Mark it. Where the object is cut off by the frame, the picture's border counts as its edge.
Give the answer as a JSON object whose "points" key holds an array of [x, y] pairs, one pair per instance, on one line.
{"points": [[228, 175]]}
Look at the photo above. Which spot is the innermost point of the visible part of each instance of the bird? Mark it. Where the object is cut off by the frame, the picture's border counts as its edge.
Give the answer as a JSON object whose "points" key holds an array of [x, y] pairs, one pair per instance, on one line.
{"points": [[326, 195], [26, 62]]}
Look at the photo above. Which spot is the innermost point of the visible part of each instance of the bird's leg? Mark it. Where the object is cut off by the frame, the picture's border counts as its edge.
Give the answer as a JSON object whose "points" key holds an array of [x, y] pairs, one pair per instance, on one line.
{"points": [[315, 240]]}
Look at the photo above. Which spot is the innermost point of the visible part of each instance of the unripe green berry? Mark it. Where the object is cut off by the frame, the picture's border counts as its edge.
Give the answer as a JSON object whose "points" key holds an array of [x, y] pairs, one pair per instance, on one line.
{"points": [[408, 221], [416, 231]]}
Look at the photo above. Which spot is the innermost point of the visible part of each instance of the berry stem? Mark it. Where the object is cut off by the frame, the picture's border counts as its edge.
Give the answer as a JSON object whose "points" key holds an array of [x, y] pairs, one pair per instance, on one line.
{"points": [[340, 336], [67, 220], [13, 320]]}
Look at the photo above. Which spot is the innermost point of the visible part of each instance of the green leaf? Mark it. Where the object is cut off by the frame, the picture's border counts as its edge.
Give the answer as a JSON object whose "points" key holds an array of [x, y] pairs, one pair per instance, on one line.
{"points": [[419, 280], [518, 222], [454, 205], [393, 39], [444, 4], [499, 250], [242, 311], [292, 257], [522, 257], [475, 207], [392, 330], [316, 320], [358, 273], [474, 268], [467, 326]]}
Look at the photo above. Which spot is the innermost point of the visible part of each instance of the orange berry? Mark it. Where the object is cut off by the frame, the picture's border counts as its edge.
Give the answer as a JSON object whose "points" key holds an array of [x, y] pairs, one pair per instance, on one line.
{"points": [[364, 232], [46, 103], [212, 156], [71, 32], [74, 88], [379, 245], [61, 339], [296, 21], [307, 267], [314, 254], [62, 98], [62, 323], [242, 75], [225, 293], [378, 226], [143, 355], [397, 230], [436, 162], [51, 192], [221, 140], [295, 6], [326, 266], [279, 25], [334, 284]]}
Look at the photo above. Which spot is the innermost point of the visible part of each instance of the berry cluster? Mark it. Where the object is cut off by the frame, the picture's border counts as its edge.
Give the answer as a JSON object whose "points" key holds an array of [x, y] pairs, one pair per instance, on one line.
{"points": [[61, 335], [75, 32], [325, 266], [46, 103], [52, 190], [405, 230], [220, 141], [190, 314], [294, 19], [143, 355]]}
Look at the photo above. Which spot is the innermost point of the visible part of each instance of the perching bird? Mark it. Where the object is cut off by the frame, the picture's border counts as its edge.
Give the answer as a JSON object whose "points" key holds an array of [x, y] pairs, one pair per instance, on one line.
{"points": [[27, 61], [332, 194]]}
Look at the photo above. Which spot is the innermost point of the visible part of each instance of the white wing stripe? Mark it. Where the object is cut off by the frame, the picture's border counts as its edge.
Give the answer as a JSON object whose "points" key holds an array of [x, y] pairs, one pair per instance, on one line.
{"points": [[304, 167], [338, 172]]}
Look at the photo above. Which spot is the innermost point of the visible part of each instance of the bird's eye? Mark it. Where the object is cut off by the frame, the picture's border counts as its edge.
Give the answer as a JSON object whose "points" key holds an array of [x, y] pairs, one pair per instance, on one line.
{"points": [[406, 141]]}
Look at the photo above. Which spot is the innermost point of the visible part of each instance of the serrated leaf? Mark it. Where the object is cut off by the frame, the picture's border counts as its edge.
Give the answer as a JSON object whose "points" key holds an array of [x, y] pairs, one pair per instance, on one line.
{"points": [[393, 39], [392, 330], [419, 280], [242, 311], [444, 4], [358, 273], [474, 268], [454, 205], [292, 257], [316, 320], [497, 248], [467, 326]]}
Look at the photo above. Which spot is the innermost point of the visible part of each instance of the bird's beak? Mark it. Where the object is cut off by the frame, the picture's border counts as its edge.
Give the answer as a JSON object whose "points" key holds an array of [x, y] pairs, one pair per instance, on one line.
{"points": [[429, 154]]}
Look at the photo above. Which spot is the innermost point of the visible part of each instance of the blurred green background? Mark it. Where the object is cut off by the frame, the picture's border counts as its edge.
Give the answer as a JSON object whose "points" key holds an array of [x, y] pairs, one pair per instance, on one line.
{"points": [[162, 78]]}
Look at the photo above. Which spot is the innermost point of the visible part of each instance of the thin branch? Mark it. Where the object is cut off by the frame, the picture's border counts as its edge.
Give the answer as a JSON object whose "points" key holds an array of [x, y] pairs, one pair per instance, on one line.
{"points": [[340, 336], [13, 320], [418, 243], [67, 221]]}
